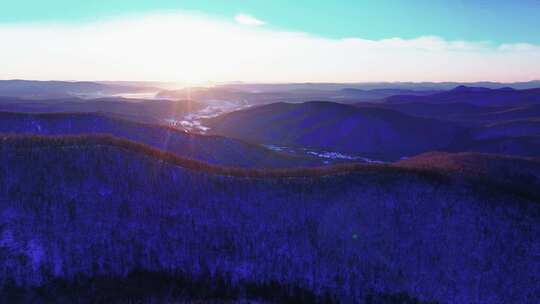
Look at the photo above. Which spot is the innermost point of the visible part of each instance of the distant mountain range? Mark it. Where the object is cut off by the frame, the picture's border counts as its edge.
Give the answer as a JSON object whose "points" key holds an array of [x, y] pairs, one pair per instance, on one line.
{"points": [[414, 86], [250, 93], [150, 111], [345, 95], [475, 96], [59, 89], [353, 93]]}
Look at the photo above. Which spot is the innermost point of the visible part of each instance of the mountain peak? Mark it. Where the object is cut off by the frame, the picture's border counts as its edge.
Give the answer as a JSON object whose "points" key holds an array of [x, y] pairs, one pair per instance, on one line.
{"points": [[463, 88], [506, 89]]}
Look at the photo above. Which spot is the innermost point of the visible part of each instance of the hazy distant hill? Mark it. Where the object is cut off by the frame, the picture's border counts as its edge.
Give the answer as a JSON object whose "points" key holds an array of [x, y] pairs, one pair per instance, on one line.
{"points": [[53, 89], [475, 96], [415, 86], [94, 219], [212, 149], [288, 94], [151, 111], [384, 133], [378, 94]]}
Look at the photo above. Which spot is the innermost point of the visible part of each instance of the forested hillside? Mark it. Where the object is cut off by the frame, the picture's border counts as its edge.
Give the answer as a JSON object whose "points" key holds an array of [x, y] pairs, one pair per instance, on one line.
{"points": [[212, 149], [84, 213], [372, 132]]}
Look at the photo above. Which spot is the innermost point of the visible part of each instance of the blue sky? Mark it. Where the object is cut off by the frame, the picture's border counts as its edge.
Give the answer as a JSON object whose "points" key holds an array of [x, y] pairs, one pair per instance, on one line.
{"points": [[479, 20], [271, 41]]}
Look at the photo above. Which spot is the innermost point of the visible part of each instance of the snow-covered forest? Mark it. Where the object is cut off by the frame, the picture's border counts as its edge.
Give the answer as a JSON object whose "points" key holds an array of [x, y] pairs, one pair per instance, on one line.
{"points": [[103, 208]]}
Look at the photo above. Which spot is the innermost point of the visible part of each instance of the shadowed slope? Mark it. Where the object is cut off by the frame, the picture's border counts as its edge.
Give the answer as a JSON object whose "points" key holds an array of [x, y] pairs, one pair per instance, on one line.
{"points": [[371, 132], [463, 113], [512, 129], [212, 149]]}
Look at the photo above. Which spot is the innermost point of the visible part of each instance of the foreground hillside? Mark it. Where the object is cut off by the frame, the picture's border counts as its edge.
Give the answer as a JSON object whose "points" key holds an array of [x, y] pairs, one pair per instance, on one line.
{"points": [[91, 218], [371, 132], [212, 149], [518, 173]]}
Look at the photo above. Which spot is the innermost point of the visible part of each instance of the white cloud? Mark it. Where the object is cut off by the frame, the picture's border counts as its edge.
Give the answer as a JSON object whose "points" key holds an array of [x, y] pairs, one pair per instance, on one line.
{"points": [[248, 20], [188, 47], [519, 47]]}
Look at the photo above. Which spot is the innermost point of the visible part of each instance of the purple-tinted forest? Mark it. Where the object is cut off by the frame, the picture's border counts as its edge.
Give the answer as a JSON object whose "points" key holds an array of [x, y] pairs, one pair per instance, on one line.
{"points": [[268, 152]]}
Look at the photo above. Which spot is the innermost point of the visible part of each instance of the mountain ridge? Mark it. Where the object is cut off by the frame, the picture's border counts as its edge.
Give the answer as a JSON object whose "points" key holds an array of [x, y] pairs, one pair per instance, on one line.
{"points": [[475, 96], [211, 148], [376, 133], [435, 165]]}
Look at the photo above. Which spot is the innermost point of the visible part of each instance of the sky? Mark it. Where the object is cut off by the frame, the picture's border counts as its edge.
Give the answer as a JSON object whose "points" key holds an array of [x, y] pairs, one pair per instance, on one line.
{"points": [[271, 41]]}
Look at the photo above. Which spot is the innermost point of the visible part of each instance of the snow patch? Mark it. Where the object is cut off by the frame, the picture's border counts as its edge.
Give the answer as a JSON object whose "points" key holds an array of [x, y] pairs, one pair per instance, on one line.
{"points": [[332, 155], [36, 126], [327, 156], [341, 156], [275, 148], [35, 252]]}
